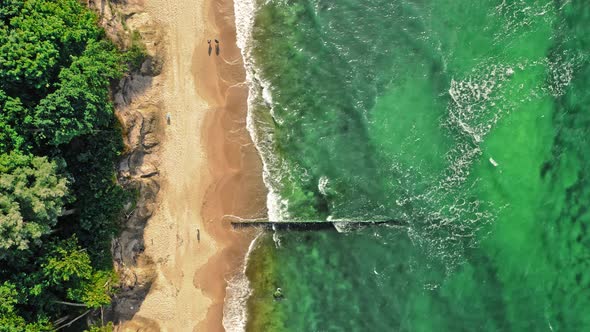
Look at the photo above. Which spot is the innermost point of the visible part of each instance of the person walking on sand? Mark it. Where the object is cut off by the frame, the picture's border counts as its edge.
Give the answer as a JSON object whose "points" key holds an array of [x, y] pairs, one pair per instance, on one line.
{"points": [[210, 48], [198, 235], [216, 47]]}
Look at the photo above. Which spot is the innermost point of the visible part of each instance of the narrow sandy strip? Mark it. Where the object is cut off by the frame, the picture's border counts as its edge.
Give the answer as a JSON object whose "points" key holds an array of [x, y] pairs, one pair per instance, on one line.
{"points": [[209, 169]]}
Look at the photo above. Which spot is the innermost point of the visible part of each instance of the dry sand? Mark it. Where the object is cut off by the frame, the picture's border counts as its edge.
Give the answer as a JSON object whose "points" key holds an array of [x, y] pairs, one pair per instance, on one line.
{"points": [[209, 169]]}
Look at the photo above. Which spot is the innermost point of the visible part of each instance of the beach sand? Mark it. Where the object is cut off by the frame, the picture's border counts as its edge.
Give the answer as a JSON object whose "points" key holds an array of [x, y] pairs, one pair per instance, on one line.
{"points": [[209, 169]]}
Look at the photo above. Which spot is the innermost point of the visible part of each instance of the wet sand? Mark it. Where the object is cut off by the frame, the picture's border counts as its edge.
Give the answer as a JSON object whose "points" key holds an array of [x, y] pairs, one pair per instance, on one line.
{"points": [[236, 187], [209, 167]]}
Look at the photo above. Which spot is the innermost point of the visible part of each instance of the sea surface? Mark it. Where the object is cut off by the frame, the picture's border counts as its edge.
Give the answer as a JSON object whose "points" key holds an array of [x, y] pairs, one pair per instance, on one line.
{"points": [[466, 123]]}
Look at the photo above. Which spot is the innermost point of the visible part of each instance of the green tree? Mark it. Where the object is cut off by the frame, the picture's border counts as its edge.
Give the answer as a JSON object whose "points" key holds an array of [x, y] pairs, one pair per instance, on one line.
{"points": [[56, 68], [11, 110], [81, 102], [95, 291], [99, 199], [109, 327], [68, 272], [9, 9], [31, 198], [10, 321], [55, 61], [66, 263], [39, 39]]}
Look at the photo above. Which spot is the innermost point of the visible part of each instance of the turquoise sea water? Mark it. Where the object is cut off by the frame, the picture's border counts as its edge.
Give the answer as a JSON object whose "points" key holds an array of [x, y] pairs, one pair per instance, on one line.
{"points": [[466, 121]]}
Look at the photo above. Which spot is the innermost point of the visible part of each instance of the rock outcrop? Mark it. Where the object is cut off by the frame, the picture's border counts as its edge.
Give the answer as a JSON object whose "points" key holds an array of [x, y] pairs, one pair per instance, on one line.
{"points": [[138, 109]]}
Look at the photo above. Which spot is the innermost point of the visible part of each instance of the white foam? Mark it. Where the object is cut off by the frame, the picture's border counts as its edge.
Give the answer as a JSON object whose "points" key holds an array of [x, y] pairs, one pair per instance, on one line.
{"points": [[237, 292], [275, 236], [323, 184], [245, 11], [238, 289], [343, 226]]}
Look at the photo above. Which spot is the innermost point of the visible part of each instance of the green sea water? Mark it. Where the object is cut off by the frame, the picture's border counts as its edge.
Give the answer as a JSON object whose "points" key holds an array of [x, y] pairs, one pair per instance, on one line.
{"points": [[465, 121]]}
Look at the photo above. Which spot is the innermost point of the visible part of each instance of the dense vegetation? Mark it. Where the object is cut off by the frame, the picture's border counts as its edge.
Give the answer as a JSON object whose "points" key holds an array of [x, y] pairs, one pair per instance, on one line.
{"points": [[59, 140]]}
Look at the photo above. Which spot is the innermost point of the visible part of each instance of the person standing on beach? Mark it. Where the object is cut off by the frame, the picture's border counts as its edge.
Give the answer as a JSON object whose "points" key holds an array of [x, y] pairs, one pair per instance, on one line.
{"points": [[216, 47], [210, 48], [198, 235]]}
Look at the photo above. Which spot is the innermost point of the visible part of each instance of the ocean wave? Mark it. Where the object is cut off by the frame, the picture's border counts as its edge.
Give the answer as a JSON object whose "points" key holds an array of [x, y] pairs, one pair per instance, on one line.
{"points": [[238, 290], [260, 93], [235, 310]]}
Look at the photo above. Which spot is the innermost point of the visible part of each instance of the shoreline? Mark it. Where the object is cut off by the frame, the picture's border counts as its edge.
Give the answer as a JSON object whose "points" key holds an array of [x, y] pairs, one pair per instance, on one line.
{"points": [[209, 169], [235, 169]]}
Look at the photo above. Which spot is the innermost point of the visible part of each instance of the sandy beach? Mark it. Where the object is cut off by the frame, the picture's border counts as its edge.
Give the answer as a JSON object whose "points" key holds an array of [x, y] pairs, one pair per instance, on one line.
{"points": [[209, 169]]}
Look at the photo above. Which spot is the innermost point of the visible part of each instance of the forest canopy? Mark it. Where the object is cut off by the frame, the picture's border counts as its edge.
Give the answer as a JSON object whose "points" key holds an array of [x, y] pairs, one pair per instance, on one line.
{"points": [[59, 141]]}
